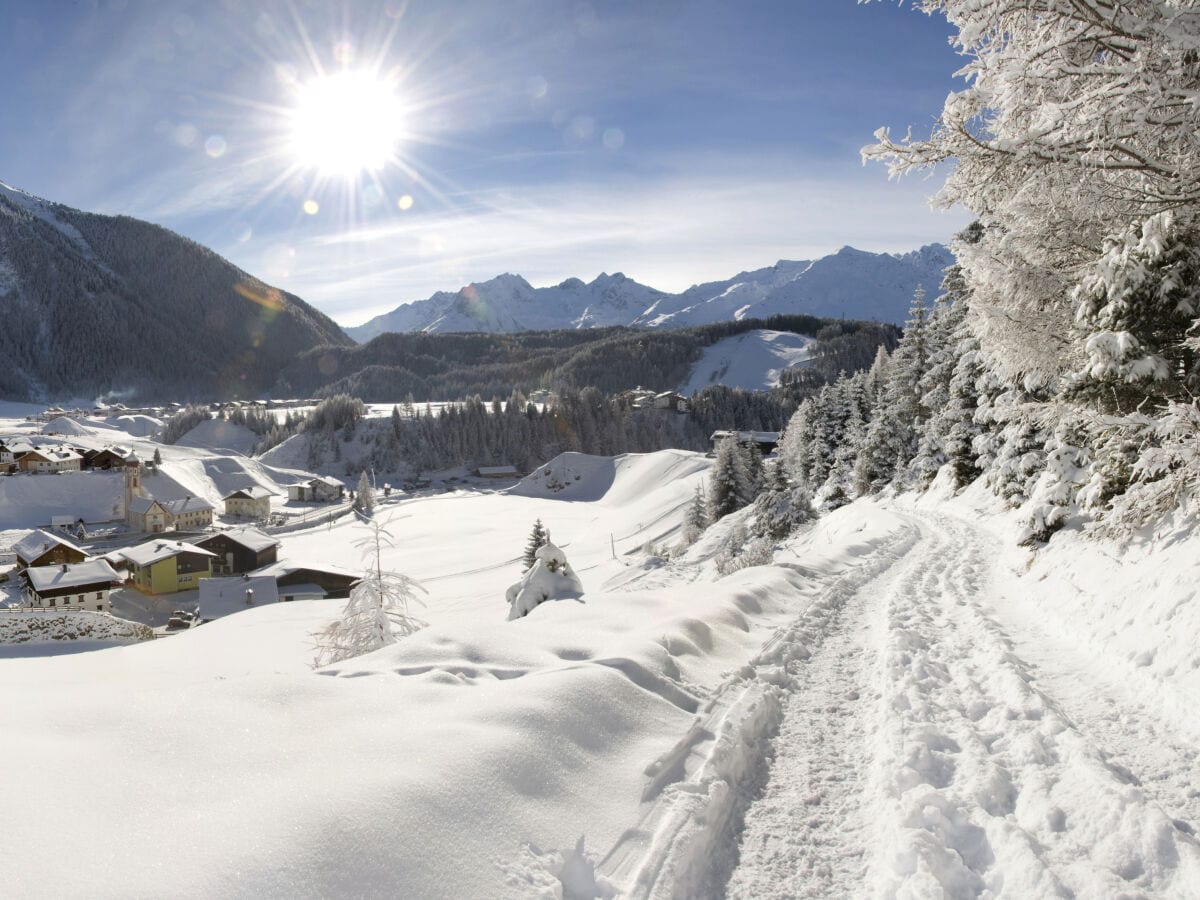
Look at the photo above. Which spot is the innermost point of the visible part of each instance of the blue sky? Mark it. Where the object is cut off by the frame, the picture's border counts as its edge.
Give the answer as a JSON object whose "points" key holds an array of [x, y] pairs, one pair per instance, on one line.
{"points": [[674, 140]]}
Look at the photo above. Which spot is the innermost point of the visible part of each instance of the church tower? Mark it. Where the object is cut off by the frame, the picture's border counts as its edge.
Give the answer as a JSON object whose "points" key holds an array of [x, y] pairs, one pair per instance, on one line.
{"points": [[133, 484]]}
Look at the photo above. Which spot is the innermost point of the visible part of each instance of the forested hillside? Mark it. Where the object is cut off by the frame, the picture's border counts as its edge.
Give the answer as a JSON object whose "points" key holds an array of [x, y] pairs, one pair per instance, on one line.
{"points": [[1060, 361], [459, 366], [96, 305]]}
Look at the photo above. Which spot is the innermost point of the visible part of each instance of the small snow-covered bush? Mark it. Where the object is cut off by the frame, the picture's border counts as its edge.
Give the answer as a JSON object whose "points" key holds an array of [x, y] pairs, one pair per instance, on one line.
{"points": [[550, 578]]}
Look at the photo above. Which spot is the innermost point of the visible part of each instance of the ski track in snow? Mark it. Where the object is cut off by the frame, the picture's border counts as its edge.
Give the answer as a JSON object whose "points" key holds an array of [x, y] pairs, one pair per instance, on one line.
{"points": [[926, 750]]}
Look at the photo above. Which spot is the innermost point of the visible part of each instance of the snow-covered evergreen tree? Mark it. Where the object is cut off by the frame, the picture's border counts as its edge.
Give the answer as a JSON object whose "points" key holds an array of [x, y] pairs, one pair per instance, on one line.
{"points": [[697, 518], [729, 484], [364, 498], [538, 537]]}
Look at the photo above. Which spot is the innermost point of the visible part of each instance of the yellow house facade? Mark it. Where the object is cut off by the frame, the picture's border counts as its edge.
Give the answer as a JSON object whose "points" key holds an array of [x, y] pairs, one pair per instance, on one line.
{"points": [[167, 567]]}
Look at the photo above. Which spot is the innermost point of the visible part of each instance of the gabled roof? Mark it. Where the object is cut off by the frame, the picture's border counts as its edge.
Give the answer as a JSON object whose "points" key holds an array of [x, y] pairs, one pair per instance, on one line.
{"points": [[142, 505], [54, 455], [185, 505], [250, 538], [156, 551], [38, 542], [287, 567], [94, 571], [253, 492]]}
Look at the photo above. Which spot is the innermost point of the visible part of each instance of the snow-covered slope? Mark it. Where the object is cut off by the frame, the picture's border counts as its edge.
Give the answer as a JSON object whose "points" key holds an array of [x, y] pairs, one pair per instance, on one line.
{"points": [[851, 283], [751, 361]]}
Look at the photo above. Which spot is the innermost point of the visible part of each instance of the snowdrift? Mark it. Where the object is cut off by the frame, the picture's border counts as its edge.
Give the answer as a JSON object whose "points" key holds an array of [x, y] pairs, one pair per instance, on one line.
{"points": [[218, 434]]}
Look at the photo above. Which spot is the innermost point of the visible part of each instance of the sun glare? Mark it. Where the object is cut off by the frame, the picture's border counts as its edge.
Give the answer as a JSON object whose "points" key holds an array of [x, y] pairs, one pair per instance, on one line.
{"points": [[346, 124]]}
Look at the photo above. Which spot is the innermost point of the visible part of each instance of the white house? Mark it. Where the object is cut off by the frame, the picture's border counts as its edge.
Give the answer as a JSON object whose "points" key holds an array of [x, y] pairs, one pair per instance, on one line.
{"points": [[316, 490], [252, 502], [188, 512], [84, 585], [44, 460]]}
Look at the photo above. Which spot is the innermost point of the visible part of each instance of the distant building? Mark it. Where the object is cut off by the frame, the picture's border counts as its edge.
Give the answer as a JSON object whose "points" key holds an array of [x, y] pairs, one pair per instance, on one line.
{"points": [[42, 548], [44, 460], [252, 502], [84, 585], [188, 512], [497, 472], [240, 550], [223, 595], [672, 401], [291, 577], [166, 567], [146, 514], [317, 490], [767, 441]]}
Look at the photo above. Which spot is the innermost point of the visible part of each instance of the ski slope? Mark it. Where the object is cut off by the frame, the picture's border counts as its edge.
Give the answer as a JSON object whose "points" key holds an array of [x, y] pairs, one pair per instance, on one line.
{"points": [[752, 361]]}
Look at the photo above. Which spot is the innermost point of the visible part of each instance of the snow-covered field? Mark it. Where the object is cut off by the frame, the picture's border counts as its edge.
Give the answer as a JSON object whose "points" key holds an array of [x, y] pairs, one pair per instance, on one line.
{"points": [[751, 361], [905, 704]]}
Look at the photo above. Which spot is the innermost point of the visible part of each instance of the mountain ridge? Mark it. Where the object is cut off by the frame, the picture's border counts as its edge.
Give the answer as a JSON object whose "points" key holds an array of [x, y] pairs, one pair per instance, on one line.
{"points": [[851, 284], [114, 306]]}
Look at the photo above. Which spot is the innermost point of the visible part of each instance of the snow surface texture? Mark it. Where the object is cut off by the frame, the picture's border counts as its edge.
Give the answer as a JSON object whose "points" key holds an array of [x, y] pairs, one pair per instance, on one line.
{"points": [[850, 284], [81, 624], [905, 704], [751, 361]]}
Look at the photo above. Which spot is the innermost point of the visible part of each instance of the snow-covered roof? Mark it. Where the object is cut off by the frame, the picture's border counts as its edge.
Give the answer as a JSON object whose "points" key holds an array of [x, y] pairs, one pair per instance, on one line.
{"points": [[155, 551], [248, 537], [141, 505], [38, 542], [287, 567], [185, 505], [224, 591], [327, 480], [94, 571], [254, 492], [761, 437], [55, 455]]}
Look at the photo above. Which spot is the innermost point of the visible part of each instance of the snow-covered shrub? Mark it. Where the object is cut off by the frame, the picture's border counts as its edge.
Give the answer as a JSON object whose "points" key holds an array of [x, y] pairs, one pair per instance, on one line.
{"points": [[758, 552], [1166, 475], [551, 578]]}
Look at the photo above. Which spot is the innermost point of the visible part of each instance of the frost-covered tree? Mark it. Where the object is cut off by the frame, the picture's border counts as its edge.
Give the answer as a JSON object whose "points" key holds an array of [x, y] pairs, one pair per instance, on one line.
{"points": [[781, 508], [364, 500], [729, 485], [538, 537], [697, 517], [377, 613]]}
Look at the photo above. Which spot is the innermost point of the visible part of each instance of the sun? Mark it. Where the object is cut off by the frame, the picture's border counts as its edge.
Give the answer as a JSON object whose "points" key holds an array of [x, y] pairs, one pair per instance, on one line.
{"points": [[346, 123]]}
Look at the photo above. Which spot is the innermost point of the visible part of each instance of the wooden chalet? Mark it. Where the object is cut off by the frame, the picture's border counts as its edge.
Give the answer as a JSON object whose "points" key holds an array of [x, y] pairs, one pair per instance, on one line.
{"points": [[334, 580], [84, 585], [42, 548], [240, 550]]}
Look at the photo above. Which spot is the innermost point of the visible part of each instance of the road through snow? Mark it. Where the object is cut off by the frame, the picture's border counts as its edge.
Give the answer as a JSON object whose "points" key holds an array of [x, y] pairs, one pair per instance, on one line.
{"points": [[924, 751]]}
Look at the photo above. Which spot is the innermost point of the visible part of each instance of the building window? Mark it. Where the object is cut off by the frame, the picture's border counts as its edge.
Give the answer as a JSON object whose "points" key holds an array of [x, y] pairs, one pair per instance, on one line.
{"points": [[51, 601]]}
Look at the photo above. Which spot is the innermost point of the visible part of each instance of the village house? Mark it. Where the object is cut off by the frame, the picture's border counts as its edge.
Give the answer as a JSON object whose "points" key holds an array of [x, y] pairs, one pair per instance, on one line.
{"points": [[146, 514], [84, 585], [41, 548], [240, 550], [296, 580], [45, 460], [253, 502], [188, 513], [167, 567], [317, 490], [105, 458], [671, 400]]}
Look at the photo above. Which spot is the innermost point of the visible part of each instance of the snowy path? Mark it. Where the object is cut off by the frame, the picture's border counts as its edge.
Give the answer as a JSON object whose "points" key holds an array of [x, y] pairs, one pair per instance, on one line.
{"points": [[923, 751]]}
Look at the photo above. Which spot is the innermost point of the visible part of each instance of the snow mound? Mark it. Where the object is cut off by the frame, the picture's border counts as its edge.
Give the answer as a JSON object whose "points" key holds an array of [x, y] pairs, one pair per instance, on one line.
{"points": [[752, 361], [615, 479], [217, 434], [91, 496], [291, 454], [137, 425], [66, 425], [549, 578]]}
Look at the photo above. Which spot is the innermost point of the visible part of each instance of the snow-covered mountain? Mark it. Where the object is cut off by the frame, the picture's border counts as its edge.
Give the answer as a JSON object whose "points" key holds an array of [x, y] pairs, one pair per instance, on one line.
{"points": [[94, 304], [851, 283]]}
